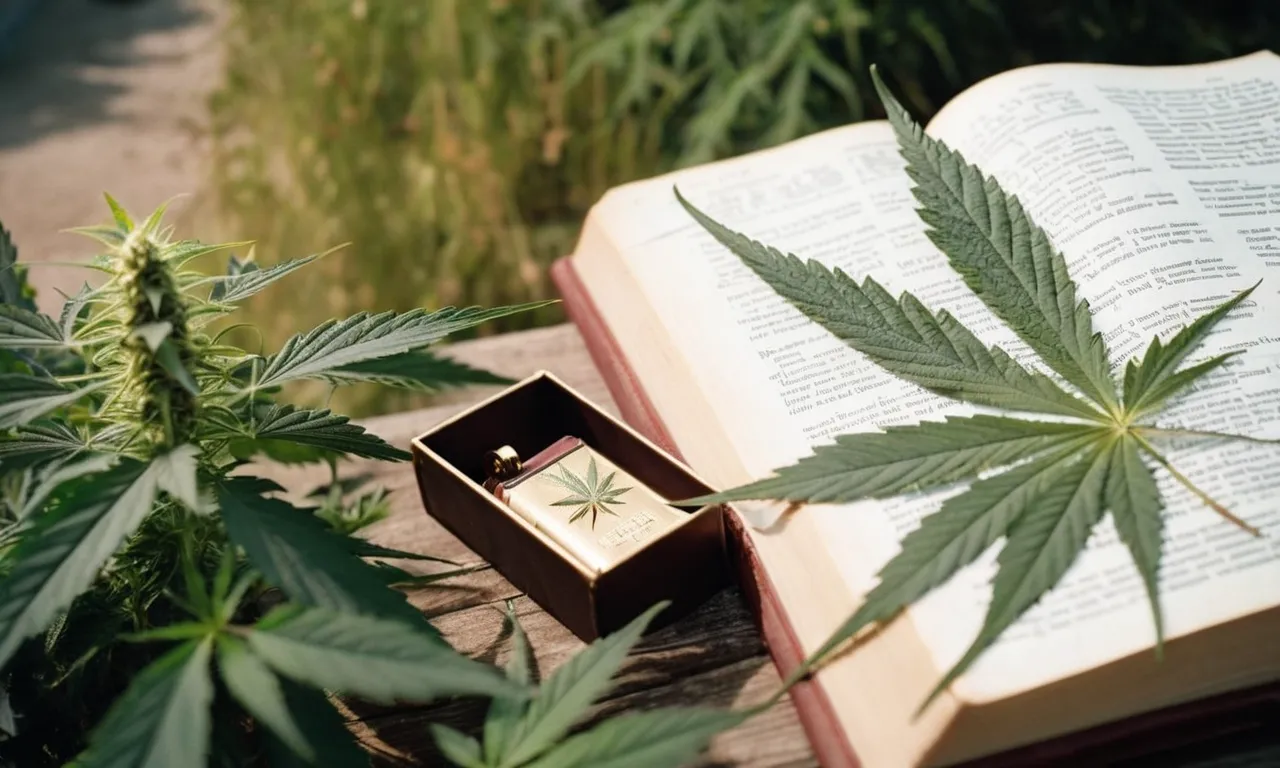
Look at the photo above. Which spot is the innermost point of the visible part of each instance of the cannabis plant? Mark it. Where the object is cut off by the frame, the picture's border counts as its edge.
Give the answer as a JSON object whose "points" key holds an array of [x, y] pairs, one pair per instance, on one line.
{"points": [[1061, 477], [532, 734], [150, 583]]}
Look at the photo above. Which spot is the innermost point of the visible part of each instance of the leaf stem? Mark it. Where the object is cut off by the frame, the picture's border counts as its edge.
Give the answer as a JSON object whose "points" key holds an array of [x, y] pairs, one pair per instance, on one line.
{"points": [[76, 264], [83, 377], [1206, 498], [1166, 432]]}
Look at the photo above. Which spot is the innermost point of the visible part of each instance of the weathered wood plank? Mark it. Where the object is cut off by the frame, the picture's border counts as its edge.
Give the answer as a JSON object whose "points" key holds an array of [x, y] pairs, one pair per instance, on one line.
{"points": [[713, 657]]}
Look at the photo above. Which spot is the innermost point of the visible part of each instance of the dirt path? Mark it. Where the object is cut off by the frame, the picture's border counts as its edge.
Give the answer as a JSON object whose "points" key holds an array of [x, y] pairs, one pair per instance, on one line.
{"points": [[101, 96]]}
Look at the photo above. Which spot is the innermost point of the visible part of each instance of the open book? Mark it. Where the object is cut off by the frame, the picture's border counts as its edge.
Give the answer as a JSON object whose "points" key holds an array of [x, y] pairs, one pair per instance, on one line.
{"points": [[1161, 186]]}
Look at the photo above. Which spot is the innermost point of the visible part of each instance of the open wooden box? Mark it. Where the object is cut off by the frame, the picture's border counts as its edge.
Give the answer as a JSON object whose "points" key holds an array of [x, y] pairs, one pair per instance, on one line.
{"points": [[686, 565]]}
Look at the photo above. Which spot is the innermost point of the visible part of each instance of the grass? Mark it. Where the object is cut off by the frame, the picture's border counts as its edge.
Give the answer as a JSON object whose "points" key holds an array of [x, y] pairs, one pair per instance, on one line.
{"points": [[458, 144]]}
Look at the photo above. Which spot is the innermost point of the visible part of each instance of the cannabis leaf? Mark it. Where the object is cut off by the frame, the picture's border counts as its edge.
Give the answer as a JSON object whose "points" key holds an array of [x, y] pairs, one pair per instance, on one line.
{"points": [[314, 566], [365, 548], [40, 443], [519, 733], [179, 253], [246, 278], [337, 344], [565, 696], [119, 215], [656, 739], [504, 715], [902, 336], [59, 556], [23, 329], [261, 693], [74, 310], [321, 429], [111, 236], [47, 479], [163, 718], [1003, 256], [1042, 544], [588, 494], [1065, 476], [383, 661], [323, 728], [175, 473], [13, 290], [457, 747], [422, 370], [1134, 501], [25, 398], [1149, 383], [911, 458]]}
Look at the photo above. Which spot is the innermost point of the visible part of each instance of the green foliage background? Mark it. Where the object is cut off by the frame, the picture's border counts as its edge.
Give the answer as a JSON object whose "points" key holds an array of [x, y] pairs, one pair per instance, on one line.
{"points": [[459, 143]]}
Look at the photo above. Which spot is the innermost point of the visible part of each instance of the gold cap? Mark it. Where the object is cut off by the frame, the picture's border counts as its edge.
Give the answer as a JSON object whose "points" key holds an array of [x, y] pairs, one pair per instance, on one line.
{"points": [[502, 463]]}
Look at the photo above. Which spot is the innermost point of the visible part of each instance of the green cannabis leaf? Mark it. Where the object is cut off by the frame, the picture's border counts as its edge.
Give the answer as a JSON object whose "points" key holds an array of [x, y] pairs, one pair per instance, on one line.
{"points": [[323, 727], [22, 328], [41, 443], [25, 398], [330, 350], [532, 733], [423, 371], [62, 552], [589, 494], [250, 680], [246, 278], [295, 551], [1065, 476], [319, 428], [655, 739], [504, 715], [13, 288], [163, 719], [378, 659]]}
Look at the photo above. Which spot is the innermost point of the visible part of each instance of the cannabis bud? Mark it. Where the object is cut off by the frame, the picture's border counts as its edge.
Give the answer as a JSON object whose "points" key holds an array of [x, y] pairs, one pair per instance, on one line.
{"points": [[157, 347]]}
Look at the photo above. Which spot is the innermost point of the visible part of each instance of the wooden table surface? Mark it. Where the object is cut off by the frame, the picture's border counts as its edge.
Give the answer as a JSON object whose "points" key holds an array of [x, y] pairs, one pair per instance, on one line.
{"points": [[714, 657]]}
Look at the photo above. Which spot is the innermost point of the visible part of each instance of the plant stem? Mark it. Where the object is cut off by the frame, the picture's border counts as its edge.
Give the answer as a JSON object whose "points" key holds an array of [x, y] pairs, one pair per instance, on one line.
{"points": [[1164, 432], [1206, 498]]}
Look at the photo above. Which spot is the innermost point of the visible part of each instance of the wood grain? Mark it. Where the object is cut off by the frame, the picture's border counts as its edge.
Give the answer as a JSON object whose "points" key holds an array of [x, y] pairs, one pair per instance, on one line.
{"points": [[713, 657]]}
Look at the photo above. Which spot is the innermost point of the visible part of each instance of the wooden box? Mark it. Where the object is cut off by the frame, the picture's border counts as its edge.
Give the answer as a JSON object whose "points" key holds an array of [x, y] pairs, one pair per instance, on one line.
{"points": [[685, 565]]}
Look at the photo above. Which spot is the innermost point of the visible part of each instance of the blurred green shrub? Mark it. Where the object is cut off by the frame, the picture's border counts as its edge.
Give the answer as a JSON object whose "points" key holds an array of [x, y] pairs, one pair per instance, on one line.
{"points": [[458, 143]]}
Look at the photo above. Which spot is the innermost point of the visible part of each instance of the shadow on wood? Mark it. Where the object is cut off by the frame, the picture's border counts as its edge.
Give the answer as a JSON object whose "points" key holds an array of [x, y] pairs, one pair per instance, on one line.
{"points": [[698, 659]]}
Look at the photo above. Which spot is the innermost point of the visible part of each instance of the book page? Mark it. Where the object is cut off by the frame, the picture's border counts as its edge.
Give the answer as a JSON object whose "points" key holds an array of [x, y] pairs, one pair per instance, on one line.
{"points": [[780, 385]]}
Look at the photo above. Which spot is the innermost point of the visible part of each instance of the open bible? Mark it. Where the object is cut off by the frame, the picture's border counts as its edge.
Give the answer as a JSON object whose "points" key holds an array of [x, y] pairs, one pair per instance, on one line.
{"points": [[1161, 186]]}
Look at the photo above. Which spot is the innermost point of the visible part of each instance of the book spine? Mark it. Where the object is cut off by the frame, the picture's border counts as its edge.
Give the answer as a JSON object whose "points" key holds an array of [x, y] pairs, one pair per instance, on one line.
{"points": [[828, 739]]}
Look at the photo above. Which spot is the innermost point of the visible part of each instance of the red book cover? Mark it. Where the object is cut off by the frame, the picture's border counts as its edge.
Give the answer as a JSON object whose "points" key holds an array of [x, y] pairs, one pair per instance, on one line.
{"points": [[1235, 724]]}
